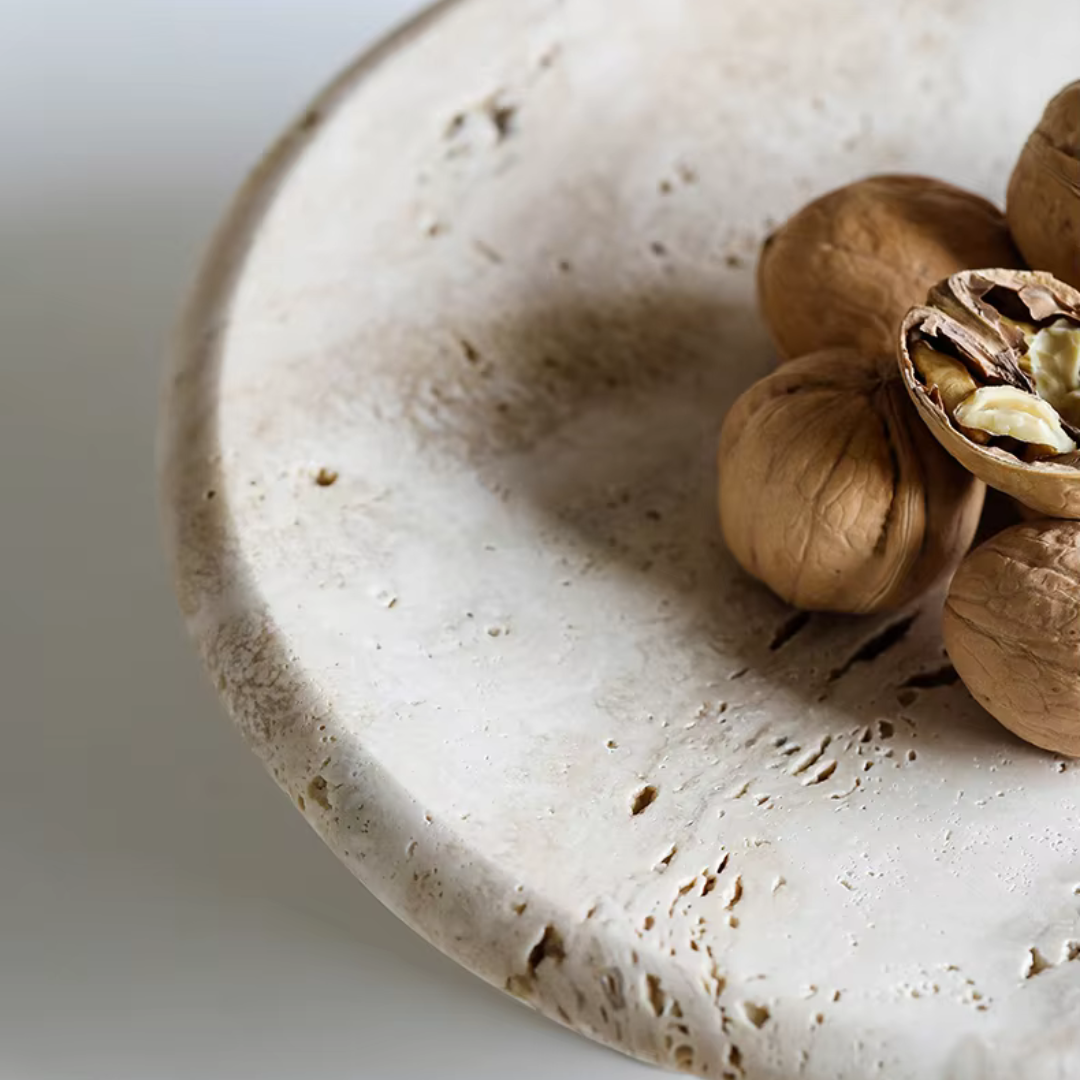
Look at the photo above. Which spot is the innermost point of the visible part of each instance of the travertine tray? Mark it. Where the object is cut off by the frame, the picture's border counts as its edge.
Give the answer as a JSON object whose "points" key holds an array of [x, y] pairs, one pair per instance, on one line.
{"points": [[438, 469]]}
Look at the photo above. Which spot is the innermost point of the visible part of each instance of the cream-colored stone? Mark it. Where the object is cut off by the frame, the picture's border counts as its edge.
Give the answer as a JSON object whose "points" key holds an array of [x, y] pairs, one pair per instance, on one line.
{"points": [[438, 475]]}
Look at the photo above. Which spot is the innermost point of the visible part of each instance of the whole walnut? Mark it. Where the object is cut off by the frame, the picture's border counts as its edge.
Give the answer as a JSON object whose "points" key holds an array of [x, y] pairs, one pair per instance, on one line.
{"points": [[1012, 631], [1043, 202], [833, 492], [846, 268]]}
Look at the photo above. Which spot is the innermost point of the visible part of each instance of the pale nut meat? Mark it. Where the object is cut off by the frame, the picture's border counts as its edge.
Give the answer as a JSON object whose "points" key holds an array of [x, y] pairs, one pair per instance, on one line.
{"points": [[845, 269], [1043, 201], [832, 491], [992, 362], [1012, 631], [1007, 412]]}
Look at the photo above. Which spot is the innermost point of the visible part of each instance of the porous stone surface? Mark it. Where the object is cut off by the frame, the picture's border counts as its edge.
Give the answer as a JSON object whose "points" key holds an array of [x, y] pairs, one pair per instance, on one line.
{"points": [[438, 470]]}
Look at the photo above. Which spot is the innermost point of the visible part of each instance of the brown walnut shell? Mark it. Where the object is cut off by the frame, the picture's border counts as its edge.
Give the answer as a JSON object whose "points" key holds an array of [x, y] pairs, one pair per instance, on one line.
{"points": [[1012, 631], [963, 318], [833, 493], [845, 269], [1043, 202]]}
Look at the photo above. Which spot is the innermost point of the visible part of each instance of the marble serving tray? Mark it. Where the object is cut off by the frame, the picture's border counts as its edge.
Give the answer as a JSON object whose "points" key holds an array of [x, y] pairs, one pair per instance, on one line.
{"points": [[438, 470]]}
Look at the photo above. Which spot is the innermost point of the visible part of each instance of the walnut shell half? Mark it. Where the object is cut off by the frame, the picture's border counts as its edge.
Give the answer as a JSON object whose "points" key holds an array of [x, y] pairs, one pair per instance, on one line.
{"points": [[1043, 202], [845, 269], [833, 493], [971, 361], [1012, 630]]}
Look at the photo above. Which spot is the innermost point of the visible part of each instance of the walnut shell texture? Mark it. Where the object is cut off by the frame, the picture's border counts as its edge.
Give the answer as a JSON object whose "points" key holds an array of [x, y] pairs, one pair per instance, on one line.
{"points": [[1012, 630], [845, 269], [1043, 202], [832, 491], [961, 313]]}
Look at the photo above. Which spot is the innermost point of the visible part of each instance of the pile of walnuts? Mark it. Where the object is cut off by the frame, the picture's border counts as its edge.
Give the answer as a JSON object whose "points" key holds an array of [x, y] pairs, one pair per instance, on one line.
{"points": [[922, 360]]}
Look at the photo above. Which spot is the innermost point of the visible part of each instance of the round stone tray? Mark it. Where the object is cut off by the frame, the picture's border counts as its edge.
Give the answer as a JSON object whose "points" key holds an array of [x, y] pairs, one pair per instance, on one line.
{"points": [[438, 469]]}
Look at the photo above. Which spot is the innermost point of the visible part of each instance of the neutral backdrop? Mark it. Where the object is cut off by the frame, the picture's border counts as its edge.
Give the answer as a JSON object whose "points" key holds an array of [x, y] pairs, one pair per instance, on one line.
{"points": [[164, 912]]}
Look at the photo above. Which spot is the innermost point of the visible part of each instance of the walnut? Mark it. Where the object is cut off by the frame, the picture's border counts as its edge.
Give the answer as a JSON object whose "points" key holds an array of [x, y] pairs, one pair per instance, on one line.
{"points": [[992, 360], [1012, 630], [846, 268], [833, 493], [1043, 202]]}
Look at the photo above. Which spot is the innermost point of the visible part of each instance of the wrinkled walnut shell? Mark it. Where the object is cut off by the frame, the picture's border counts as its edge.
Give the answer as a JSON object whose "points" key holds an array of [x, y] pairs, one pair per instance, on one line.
{"points": [[1043, 202], [1012, 631], [833, 493], [961, 318], [845, 269]]}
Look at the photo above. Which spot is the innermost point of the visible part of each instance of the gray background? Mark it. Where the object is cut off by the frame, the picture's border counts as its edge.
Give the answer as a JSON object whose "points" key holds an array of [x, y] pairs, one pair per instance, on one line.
{"points": [[164, 912]]}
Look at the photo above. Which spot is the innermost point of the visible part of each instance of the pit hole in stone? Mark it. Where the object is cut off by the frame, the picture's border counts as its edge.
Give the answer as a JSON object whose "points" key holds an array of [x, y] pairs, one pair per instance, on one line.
{"points": [[876, 646], [316, 791], [758, 1015], [684, 1056], [469, 351], [736, 893], [550, 946], [684, 889], [1036, 964], [655, 993], [326, 477], [823, 774], [611, 982], [643, 799], [665, 862], [946, 675], [503, 117], [787, 630]]}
